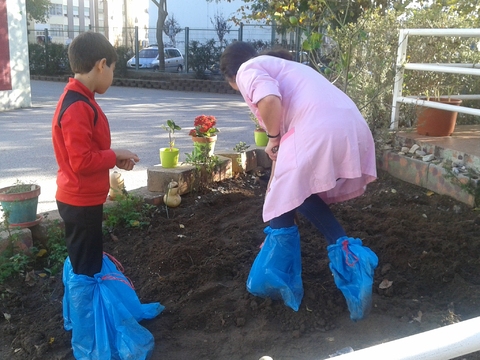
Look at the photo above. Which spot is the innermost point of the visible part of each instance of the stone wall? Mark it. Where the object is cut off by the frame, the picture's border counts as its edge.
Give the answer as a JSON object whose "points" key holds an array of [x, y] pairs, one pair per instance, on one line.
{"points": [[182, 82]]}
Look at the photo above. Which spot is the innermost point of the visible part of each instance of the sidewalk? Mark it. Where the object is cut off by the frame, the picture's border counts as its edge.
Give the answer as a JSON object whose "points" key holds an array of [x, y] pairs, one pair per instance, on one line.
{"points": [[135, 116]]}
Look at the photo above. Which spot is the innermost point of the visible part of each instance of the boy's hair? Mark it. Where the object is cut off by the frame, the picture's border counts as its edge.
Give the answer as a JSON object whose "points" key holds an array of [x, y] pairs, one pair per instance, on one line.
{"points": [[88, 48]]}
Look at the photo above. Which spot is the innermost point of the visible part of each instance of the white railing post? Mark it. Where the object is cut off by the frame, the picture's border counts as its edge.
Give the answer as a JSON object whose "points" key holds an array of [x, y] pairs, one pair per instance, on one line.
{"points": [[402, 65], [399, 71]]}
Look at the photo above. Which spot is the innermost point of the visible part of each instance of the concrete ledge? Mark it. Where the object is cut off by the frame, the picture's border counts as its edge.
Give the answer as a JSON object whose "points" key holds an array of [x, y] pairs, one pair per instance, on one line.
{"points": [[185, 175], [407, 169], [241, 162], [430, 176]]}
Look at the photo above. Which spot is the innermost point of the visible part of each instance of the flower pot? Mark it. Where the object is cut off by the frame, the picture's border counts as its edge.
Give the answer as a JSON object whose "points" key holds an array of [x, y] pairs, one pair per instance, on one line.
{"points": [[436, 122], [261, 138], [21, 206], [200, 142], [169, 159]]}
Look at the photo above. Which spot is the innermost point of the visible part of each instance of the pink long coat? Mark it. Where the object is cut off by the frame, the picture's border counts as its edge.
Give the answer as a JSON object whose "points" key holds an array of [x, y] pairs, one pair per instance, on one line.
{"points": [[326, 146]]}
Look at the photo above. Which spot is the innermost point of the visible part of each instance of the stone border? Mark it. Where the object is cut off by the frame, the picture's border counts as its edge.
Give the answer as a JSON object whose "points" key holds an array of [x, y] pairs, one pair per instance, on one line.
{"points": [[430, 176], [178, 83]]}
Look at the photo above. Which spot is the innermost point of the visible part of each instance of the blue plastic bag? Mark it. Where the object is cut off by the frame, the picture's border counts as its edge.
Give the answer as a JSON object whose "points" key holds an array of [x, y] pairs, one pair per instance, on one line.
{"points": [[103, 313], [277, 270], [353, 266]]}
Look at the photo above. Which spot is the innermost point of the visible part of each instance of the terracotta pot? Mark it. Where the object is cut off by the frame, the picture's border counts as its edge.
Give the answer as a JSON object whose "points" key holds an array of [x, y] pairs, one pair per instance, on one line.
{"points": [[436, 122], [200, 142]]}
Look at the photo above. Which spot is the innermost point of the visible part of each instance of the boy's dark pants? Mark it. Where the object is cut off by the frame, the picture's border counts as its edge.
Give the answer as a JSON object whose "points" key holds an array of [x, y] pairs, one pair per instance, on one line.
{"points": [[83, 236]]}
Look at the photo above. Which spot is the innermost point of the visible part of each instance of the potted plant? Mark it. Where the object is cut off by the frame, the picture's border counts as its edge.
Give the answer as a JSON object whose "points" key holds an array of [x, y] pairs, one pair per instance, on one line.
{"points": [[169, 156], [20, 201], [437, 122], [260, 135], [204, 133]]}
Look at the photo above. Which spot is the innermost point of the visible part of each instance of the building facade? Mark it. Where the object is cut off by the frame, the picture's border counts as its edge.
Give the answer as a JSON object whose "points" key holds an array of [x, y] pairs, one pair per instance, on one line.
{"points": [[116, 19]]}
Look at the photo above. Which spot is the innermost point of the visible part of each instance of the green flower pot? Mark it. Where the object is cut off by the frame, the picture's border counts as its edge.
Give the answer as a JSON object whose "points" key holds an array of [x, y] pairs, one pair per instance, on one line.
{"points": [[169, 159], [261, 138]]}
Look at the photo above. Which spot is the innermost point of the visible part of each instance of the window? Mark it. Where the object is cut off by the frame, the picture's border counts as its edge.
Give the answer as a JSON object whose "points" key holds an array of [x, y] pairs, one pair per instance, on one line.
{"points": [[56, 10], [75, 11], [148, 53], [56, 30]]}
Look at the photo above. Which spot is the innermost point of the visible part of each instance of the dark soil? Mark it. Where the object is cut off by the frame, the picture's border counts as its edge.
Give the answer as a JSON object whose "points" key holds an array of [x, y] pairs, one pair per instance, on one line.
{"points": [[196, 262]]}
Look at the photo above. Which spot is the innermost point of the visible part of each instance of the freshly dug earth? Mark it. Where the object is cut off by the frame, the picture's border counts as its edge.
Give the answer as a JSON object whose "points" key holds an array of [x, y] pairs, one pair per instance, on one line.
{"points": [[196, 260]]}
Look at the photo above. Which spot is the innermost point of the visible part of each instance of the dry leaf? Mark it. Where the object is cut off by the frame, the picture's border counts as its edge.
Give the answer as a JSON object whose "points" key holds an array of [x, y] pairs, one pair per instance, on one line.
{"points": [[430, 193], [41, 252], [7, 316], [182, 226], [419, 317]]}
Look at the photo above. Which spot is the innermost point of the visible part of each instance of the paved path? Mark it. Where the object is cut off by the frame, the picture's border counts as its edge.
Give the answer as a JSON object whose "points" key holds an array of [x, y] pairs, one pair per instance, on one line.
{"points": [[135, 116]]}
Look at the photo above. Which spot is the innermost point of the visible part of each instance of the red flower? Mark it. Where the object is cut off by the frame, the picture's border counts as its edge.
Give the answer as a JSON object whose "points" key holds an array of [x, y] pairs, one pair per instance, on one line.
{"points": [[204, 126]]}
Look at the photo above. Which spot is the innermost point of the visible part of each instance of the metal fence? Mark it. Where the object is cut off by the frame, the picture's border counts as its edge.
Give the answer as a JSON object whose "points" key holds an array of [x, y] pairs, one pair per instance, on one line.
{"points": [[134, 39]]}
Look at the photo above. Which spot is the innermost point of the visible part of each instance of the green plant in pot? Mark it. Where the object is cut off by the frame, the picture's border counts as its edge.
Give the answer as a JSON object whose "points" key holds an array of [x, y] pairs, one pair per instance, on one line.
{"points": [[260, 135], [20, 201], [169, 156]]}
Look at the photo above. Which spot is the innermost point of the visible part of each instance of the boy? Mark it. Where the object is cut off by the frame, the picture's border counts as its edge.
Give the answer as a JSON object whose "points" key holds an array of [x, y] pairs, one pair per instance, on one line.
{"points": [[99, 305], [81, 140]]}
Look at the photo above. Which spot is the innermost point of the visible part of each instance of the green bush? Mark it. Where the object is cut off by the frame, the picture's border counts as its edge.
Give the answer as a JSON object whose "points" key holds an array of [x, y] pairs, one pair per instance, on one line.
{"points": [[202, 57], [124, 54], [49, 59]]}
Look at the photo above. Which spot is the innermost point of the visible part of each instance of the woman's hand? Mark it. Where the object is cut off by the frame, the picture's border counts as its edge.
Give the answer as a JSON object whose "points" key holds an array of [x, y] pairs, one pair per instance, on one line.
{"points": [[272, 148]]}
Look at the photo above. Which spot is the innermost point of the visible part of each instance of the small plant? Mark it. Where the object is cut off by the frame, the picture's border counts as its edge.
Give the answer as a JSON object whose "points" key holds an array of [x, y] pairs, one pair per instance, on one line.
{"points": [[255, 121], [20, 187], [11, 262], [56, 248], [204, 165], [131, 212], [241, 147], [171, 127]]}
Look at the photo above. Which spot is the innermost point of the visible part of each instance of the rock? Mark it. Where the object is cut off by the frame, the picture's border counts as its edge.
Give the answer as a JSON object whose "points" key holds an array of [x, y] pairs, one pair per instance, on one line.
{"points": [[413, 149], [428, 157]]}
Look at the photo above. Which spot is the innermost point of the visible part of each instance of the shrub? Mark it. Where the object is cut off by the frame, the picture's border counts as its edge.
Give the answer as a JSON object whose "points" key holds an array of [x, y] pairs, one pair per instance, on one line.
{"points": [[202, 57]]}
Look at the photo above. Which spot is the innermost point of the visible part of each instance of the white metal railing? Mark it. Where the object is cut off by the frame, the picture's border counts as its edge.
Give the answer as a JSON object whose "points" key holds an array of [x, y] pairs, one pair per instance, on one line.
{"points": [[402, 65]]}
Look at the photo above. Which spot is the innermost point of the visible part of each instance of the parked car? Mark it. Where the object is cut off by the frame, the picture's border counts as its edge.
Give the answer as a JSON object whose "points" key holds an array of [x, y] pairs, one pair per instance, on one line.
{"points": [[148, 59], [173, 60]]}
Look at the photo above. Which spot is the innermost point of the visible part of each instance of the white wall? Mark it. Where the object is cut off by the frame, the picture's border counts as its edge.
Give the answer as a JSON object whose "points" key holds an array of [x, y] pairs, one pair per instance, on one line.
{"points": [[195, 14], [20, 95]]}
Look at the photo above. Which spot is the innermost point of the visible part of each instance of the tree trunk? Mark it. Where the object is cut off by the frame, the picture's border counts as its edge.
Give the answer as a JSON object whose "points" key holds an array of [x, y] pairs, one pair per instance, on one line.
{"points": [[162, 16]]}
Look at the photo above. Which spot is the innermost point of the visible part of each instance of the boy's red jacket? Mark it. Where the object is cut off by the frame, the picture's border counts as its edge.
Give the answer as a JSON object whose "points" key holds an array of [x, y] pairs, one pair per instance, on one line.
{"points": [[81, 141]]}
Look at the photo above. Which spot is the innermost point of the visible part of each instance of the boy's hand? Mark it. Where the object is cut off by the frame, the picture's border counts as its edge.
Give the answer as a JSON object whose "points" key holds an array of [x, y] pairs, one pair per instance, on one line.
{"points": [[126, 159], [127, 164]]}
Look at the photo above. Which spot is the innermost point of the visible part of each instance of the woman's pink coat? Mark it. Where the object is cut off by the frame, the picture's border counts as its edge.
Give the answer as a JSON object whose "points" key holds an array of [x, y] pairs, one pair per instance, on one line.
{"points": [[326, 147]]}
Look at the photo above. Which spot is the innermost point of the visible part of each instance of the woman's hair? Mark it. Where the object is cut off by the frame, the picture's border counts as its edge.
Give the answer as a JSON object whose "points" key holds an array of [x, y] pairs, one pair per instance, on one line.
{"points": [[234, 56], [238, 52], [278, 52]]}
